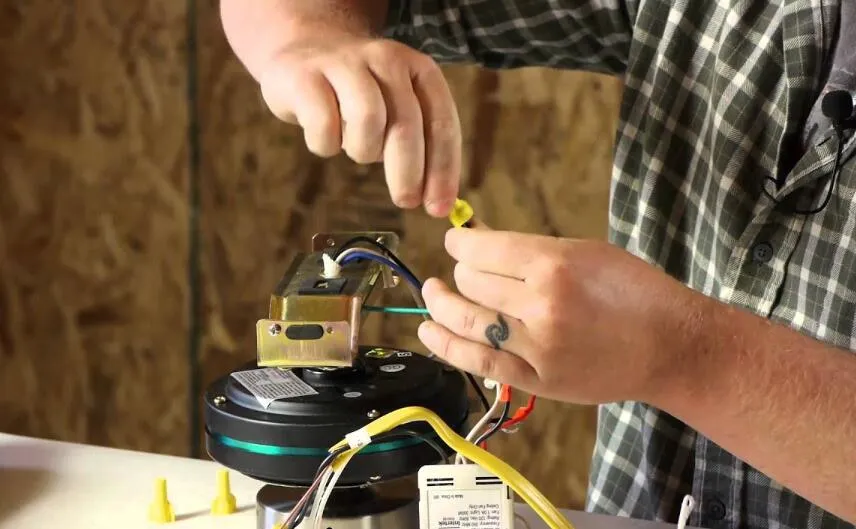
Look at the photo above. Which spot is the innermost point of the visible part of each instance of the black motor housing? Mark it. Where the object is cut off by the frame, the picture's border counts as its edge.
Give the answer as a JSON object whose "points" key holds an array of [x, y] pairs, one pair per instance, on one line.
{"points": [[285, 442]]}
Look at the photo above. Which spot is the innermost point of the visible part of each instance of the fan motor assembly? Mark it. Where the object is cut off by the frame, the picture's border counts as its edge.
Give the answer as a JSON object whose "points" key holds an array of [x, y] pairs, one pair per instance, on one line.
{"points": [[313, 382]]}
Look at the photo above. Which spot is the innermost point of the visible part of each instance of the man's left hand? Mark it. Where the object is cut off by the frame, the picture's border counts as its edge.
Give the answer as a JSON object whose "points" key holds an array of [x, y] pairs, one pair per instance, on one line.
{"points": [[574, 320]]}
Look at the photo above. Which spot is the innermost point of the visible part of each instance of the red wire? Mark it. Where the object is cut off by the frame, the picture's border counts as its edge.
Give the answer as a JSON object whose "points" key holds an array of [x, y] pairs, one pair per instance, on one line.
{"points": [[521, 414]]}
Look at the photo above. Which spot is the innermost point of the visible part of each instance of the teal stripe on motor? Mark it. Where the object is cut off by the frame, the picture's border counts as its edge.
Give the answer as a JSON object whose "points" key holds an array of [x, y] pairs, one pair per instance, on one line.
{"points": [[273, 450]]}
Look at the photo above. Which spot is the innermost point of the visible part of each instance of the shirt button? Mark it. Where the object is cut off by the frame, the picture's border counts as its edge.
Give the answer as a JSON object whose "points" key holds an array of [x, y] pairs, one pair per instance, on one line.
{"points": [[762, 252], [715, 510]]}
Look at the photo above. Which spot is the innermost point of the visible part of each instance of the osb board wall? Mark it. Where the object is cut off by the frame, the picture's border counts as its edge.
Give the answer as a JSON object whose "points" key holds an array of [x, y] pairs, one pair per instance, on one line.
{"points": [[98, 182]]}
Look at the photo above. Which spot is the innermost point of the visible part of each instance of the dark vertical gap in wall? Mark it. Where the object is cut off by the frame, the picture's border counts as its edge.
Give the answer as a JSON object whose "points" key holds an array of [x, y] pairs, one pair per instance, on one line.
{"points": [[193, 264]]}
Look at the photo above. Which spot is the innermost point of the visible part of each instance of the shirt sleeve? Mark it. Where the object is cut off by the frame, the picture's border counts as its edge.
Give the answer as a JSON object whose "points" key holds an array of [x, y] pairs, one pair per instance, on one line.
{"points": [[592, 35]]}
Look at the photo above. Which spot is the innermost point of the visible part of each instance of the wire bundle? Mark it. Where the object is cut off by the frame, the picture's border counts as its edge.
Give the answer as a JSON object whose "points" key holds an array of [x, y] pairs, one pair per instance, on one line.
{"points": [[349, 252], [322, 486], [346, 449]]}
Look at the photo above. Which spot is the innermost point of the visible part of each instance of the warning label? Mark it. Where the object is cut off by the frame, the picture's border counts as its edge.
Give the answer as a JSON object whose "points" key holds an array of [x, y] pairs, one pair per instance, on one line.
{"points": [[465, 509], [270, 384]]}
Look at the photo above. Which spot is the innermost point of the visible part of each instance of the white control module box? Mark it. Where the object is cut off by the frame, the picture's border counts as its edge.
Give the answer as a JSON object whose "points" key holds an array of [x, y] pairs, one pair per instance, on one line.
{"points": [[463, 497]]}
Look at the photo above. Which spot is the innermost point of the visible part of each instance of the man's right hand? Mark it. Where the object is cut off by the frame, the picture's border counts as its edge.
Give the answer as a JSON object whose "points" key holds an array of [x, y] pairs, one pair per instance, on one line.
{"points": [[379, 101]]}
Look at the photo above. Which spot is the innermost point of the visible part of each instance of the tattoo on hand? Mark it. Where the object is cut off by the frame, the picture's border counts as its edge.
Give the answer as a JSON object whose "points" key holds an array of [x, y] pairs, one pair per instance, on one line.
{"points": [[498, 332]]}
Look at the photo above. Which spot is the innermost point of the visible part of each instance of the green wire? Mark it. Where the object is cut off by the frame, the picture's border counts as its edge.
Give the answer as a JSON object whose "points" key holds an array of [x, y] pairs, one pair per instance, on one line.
{"points": [[396, 310]]}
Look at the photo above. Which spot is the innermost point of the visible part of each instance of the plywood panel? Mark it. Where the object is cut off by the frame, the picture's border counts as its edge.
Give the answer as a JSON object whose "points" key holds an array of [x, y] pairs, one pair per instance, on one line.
{"points": [[92, 222]]}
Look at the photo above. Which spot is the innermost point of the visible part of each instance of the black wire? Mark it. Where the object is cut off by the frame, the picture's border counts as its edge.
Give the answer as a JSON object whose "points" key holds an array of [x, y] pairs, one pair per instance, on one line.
{"points": [[479, 391], [835, 173], [389, 253], [321, 468], [495, 428], [428, 441]]}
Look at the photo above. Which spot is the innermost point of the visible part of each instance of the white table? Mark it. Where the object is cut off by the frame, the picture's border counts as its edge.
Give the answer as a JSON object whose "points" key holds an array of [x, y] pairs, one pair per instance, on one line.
{"points": [[49, 484]]}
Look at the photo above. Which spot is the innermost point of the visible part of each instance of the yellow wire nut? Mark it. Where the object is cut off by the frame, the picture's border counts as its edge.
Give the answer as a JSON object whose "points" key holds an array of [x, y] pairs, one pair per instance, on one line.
{"points": [[160, 510], [461, 213], [532, 496], [224, 503]]}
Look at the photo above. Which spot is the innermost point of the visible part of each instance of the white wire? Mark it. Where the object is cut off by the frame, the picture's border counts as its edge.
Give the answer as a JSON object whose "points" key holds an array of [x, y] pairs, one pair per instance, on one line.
{"points": [[497, 402], [316, 505], [350, 251], [687, 507], [327, 491]]}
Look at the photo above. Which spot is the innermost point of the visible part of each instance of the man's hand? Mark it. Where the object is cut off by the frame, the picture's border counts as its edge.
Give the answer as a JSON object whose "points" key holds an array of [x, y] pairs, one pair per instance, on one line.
{"points": [[578, 321], [377, 100]]}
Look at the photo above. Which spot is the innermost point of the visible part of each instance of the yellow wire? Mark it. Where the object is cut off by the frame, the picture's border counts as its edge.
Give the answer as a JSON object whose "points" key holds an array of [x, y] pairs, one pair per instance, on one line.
{"points": [[532, 496]]}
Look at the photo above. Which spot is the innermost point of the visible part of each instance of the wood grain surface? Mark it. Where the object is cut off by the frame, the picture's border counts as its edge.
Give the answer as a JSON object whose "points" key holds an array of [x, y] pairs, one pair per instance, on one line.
{"points": [[111, 118]]}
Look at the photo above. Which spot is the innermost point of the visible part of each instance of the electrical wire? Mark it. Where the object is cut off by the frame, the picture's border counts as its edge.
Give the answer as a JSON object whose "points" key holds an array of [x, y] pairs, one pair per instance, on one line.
{"points": [[474, 383], [350, 243], [497, 402], [496, 426], [374, 256], [519, 416], [395, 310], [428, 441], [519, 484], [300, 509], [412, 282], [338, 467]]}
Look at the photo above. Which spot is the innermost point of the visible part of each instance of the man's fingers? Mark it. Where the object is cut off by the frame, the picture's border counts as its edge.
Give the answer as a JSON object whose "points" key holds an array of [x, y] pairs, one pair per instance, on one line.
{"points": [[362, 109], [442, 139], [475, 358], [404, 145], [472, 321], [503, 253], [502, 294], [307, 99]]}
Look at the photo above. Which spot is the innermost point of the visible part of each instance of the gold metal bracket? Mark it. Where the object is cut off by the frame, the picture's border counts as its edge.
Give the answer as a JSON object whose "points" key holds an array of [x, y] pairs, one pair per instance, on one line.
{"points": [[315, 321]]}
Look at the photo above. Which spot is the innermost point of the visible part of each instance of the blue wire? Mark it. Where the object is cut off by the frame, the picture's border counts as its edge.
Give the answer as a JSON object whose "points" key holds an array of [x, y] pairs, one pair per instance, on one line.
{"points": [[384, 261]]}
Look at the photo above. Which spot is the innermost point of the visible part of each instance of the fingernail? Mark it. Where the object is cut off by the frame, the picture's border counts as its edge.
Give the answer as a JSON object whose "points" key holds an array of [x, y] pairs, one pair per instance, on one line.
{"points": [[438, 208], [423, 332], [407, 202]]}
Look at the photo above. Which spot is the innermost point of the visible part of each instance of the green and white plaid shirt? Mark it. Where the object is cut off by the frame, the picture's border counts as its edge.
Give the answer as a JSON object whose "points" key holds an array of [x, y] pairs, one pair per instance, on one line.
{"points": [[717, 94]]}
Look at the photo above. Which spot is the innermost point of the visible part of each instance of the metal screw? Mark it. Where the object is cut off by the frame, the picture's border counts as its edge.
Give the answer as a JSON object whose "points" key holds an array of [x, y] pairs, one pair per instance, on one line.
{"points": [[219, 400], [274, 329], [331, 242], [380, 239], [374, 414], [329, 330]]}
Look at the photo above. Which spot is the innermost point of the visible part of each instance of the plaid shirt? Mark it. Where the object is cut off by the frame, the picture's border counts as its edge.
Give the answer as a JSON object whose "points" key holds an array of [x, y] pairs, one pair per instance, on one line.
{"points": [[716, 97]]}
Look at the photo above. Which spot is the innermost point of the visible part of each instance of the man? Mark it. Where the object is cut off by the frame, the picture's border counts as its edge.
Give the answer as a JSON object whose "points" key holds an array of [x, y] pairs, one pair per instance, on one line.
{"points": [[715, 328]]}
